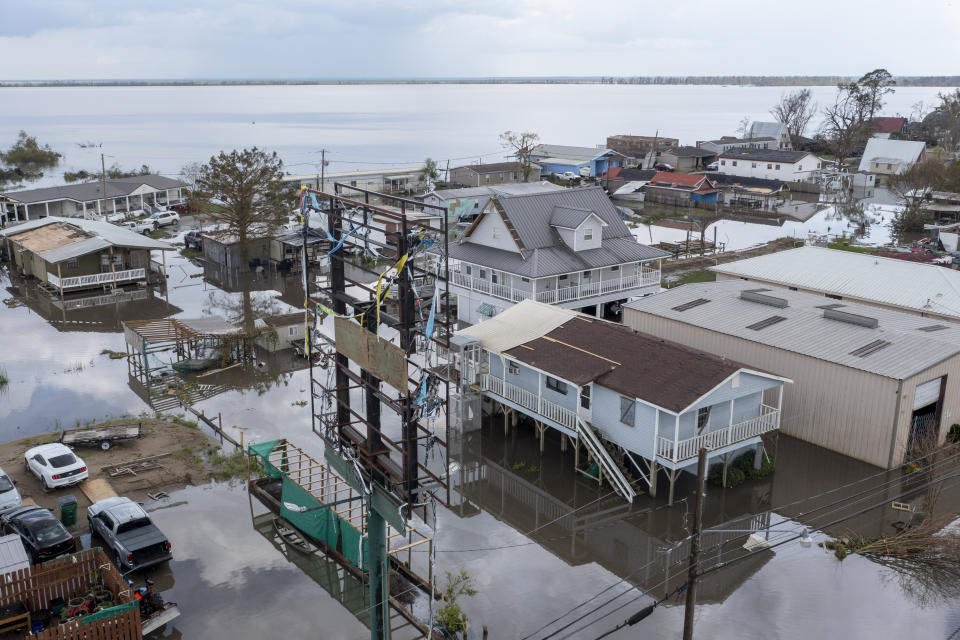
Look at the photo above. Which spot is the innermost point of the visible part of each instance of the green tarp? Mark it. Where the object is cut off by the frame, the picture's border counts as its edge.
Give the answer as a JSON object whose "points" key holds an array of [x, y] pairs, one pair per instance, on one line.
{"points": [[109, 612], [318, 521], [264, 449]]}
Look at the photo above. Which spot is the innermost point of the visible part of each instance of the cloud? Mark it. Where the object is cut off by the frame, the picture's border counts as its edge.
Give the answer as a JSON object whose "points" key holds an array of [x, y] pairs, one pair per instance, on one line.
{"points": [[61, 39]]}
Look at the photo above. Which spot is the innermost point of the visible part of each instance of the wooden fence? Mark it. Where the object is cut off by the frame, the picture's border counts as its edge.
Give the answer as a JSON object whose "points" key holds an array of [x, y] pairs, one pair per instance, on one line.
{"points": [[69, 577]]}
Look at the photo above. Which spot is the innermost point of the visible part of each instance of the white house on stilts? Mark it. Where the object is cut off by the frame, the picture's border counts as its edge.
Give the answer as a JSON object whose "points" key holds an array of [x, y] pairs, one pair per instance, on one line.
{"points": [[632, 401]]}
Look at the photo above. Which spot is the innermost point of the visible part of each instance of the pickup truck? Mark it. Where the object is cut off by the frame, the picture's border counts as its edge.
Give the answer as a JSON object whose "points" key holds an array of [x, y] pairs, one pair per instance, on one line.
{"points": [[144, 226], [133, 540]]}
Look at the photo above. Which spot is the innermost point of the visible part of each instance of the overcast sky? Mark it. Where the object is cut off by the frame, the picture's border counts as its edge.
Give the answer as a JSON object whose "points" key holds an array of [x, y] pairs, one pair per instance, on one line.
{"points": [[63, 39]]}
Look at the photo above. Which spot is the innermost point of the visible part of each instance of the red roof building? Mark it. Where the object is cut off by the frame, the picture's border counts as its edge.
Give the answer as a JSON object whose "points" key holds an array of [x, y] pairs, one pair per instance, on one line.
{"points": [[889, 125]]}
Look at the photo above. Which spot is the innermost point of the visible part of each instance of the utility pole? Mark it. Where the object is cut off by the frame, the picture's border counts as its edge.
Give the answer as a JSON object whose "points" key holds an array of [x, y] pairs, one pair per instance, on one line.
{"points": [[446, 174], [695, 546], [323, 166], [103, 184]]}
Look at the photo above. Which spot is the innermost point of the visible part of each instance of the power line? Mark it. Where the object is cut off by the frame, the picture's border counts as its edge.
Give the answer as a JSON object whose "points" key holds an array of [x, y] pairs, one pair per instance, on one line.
{"points": [[725, 542], [860, 512]]}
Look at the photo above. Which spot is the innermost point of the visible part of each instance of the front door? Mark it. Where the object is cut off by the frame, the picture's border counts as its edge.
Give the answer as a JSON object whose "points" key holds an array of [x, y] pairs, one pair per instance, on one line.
{"points": [[585, 403]]}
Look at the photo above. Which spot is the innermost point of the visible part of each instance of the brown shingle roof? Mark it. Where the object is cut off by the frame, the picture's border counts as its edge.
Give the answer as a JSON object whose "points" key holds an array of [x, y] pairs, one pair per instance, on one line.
{"points": [[284, 320], [663, 373]]}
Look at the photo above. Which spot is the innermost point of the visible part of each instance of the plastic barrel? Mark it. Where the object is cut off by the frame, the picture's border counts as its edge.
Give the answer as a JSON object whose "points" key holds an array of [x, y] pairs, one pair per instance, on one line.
{"points": [[68, 510]]}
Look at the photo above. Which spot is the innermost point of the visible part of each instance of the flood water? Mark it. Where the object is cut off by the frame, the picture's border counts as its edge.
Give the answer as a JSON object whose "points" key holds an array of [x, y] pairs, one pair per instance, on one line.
{"points": [[538, 540]]}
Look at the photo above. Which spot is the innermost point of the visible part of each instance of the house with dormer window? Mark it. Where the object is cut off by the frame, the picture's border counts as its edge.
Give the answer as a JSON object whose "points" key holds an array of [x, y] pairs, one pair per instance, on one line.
{"points": [[568, 248]]}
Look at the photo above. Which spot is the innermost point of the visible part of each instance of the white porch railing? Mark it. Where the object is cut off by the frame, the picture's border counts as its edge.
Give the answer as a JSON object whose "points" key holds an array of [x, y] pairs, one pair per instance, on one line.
{"points": [[768, 420], [529, 400], [647, 278], [545, 409], [96, 279]]}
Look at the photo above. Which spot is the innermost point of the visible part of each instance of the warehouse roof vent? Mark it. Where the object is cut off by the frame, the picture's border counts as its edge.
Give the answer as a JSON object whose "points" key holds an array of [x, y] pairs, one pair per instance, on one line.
{"points": [[754, 295], [872, 347], [851, 318]]}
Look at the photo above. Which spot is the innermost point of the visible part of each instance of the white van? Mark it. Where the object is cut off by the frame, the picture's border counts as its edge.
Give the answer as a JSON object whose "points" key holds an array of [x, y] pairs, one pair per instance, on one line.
{"points": [[9, 496]]}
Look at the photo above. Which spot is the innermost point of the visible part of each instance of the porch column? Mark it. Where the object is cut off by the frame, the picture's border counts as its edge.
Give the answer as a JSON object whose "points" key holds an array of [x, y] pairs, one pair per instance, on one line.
{"points": [[46, 207], [598, 310], [780, 398], [730, 422], [60, 283], [676, 436], [128, 203], [168, 197], [84, 207], [539, 390], [99, 208]]}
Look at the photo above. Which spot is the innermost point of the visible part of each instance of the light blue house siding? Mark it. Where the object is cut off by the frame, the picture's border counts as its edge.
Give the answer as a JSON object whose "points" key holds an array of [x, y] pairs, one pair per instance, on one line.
{"points": [[598, 166], [744, 390]]}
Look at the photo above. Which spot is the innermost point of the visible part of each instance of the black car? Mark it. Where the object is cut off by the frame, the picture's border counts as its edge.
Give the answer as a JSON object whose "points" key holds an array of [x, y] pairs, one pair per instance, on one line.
{"points": [[42, 534], [193, 240]]}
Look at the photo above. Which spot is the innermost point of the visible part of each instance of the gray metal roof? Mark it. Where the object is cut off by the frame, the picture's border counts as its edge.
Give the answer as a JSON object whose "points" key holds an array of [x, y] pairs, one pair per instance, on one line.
{"points": [[764, 155], [913, 347], [518, 188], [771, 129], [89, 191], [569, 217], [569, 152], [103, 235], [925, 288], [689, 152], [544, 253], [891, 151], [12, 554], [491, 167]]}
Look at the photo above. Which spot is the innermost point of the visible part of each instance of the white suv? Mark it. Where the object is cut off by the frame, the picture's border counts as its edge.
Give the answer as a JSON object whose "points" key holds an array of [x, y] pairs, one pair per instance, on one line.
{"points": [[165, 218], [9, 496], [55, 465]]}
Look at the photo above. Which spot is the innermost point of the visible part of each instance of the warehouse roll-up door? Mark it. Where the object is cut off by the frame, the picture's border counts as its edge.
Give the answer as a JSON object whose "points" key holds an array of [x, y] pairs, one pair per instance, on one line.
{"points": [[926, 393]]}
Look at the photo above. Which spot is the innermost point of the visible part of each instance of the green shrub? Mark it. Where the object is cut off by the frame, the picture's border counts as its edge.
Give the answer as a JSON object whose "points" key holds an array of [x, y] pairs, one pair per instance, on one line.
{"points": [[954, 434], [715, 474], [735, 476]]}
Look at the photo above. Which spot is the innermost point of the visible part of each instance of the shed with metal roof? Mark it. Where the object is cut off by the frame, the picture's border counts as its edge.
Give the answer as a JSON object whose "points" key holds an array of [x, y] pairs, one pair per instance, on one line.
{"points": [[875, 384]]}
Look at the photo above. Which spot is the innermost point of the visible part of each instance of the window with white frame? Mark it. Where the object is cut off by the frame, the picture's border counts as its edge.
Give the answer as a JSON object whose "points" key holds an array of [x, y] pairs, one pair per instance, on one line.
{"points": [[467, 269], [557, 385], [628, 411], [753, 165], [292, 330], [483, 274], [734, 163], [73, 263], [588, 233], [513, 368], [723, 163], [778, 167]]}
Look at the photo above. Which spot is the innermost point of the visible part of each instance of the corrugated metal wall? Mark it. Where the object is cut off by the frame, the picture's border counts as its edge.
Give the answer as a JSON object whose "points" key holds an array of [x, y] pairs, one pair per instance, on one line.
{"points": [[951, 403], [845, 410]]}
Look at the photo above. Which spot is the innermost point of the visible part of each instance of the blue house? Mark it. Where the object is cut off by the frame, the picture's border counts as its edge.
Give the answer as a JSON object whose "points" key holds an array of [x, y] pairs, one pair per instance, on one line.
{"points": [[617, 393], [556, 158]]}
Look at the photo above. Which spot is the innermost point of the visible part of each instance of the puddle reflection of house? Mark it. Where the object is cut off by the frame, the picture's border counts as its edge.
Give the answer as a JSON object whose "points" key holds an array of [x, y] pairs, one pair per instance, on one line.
{"points": [[167, 390], [98, 313], [640, 543]]}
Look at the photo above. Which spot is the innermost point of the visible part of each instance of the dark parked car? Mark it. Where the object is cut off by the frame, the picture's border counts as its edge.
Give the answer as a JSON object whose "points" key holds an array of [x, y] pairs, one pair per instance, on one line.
{"points": [[663, 166], [193, 240], [43, 536]]}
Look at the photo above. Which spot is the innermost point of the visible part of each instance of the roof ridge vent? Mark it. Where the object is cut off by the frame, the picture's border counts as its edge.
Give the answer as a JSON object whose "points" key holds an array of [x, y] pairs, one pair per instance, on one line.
{"points": [[851, 318], [762, 298]]}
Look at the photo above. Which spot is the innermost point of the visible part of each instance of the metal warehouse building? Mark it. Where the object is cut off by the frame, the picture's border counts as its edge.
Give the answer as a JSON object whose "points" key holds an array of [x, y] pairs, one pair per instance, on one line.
{"points": [[869, 382]]}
